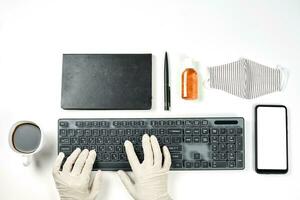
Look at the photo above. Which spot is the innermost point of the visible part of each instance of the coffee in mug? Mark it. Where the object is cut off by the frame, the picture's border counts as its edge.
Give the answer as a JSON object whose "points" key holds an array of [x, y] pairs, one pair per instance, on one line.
{"points": [[25, 138]]}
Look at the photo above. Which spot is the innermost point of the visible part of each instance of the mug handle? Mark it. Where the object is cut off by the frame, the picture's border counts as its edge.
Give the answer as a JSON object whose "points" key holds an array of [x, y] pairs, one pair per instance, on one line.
{"points": [[27, 160]]}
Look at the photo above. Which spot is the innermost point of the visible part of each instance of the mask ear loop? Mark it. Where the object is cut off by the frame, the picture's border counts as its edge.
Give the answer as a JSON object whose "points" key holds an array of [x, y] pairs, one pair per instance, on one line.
{"points": [[285, 75], [206, 82]]}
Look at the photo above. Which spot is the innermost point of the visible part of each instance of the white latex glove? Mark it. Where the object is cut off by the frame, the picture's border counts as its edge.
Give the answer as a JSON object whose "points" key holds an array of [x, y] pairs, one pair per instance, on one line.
{"points": [[74, 181], [150, 178]]}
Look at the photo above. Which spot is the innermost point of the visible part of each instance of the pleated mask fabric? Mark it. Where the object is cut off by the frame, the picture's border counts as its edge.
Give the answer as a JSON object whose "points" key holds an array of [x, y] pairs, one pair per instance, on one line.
{"points": [[245, 78]]}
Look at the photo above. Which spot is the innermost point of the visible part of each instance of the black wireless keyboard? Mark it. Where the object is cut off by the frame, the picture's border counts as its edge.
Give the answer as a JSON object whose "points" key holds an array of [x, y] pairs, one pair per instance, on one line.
{"points": [[194, 143]]}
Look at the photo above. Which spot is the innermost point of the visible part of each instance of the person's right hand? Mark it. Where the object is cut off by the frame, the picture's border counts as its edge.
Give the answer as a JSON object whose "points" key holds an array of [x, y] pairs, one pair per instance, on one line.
{"points": [[150, 178]]}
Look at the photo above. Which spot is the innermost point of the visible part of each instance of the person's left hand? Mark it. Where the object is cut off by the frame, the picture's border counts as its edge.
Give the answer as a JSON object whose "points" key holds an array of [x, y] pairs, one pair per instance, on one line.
{"points": [[74, 181]]}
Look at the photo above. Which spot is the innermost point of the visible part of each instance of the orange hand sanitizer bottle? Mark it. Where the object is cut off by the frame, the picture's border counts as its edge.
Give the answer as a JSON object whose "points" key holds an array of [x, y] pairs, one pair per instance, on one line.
{"points": [[189, 84]]}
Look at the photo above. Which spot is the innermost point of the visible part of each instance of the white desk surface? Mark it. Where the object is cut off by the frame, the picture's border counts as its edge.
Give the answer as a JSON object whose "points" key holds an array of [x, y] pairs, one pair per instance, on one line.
{"points": [[34, 34]]}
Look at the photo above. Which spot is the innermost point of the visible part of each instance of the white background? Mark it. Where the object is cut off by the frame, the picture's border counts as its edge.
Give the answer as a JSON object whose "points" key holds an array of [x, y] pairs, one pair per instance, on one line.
{"points": [[35, 33]]}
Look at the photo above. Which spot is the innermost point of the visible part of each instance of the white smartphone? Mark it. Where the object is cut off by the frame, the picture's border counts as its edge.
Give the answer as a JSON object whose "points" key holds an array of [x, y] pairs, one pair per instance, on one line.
{"points": [[271, 139]]}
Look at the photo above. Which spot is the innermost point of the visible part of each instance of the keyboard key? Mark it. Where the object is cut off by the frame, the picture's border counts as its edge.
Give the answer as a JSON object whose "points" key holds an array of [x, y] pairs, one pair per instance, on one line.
{"points": [[99, 140], [117, 140], [162, 131], [223, 156], [239, 143], [205, 164], [188, 139], [196, 156], [133, 140], [204, 131], [214, 147], [239, 131], [109, 148], [96, 124], [103, 132], [188, 164], [93, 147], [65, 149], [89, 124], [88, 133], [118, 165], [204, 139], [176, 139], [197, 164], [214, 156], [196, 139], [197, 122], [176, 164], [223, 131], [128, 132], [175, 131], [118, 148], [95, 132], [188, 131], [189, 123], [63, 132], [138, 149], [214, 139], [71, 132], [231, 156], [63, 124], [82, 140], [222, 139], [196, 131], [123, 157], [167, 140], [204, 123], [108, 140], [85, 147], [231, 131], [74, 141], [120, 132], [219, 164], [114, 157], [153, 131], [113, 132], [64, 140], [173, 148], [214, 131], [79, 132], [222, 147], [91, 140], [79, 124], [101, 148], [106, 157], [117, 123], [159, 139], [176, 156], [231, 139], [239, 160], [179, 122], [231, 164], [231, 147]]}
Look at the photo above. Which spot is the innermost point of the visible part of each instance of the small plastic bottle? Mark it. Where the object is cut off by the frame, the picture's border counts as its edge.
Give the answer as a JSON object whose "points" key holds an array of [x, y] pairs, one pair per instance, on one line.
{"points": [[189, 83]]}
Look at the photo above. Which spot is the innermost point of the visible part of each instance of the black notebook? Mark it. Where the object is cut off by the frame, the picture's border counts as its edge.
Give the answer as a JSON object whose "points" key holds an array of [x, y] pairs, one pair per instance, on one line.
{"points": [[107, 81]]}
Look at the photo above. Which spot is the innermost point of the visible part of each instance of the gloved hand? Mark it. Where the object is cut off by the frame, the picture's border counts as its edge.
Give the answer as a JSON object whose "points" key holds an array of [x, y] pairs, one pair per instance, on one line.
{"points": [[74, 182], [150, 178]]}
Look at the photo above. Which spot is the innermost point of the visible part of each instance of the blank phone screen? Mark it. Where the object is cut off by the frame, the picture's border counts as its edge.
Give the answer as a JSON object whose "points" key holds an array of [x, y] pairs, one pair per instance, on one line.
{"points": [[271, 138]]}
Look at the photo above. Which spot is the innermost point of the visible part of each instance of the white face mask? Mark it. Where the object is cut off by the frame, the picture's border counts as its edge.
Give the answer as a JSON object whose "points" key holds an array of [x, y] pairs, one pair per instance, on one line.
{"points": [[247, 79]]}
